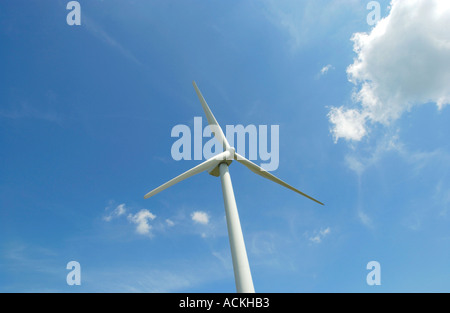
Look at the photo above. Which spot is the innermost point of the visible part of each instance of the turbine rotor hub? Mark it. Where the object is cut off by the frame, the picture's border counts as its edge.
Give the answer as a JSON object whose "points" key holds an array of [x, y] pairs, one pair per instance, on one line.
{"points": [[228, 159]]}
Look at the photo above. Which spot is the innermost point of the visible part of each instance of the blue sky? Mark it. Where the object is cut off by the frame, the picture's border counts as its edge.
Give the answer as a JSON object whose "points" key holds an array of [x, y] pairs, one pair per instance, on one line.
{"points": [[86, 114]]}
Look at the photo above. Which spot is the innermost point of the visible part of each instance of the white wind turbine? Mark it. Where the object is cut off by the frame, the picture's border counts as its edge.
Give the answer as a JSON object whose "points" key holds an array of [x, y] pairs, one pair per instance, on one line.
{"points": [[218, 166]]}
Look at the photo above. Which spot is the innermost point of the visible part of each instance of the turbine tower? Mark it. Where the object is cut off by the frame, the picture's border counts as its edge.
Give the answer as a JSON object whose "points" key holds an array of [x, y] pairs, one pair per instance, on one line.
{"points": [[218, 166]]}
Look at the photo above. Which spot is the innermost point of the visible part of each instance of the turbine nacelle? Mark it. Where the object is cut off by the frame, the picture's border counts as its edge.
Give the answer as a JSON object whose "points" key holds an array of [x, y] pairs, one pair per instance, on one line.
{"points": [[226, 157]]}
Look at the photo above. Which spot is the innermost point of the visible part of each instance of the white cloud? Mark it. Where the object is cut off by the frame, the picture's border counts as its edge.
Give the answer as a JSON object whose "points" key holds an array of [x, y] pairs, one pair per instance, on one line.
{"points": [[118, 211], [200, 217], [318, 237], [348, 124], [325, 69], [403, 62], [141, 219], [169, 222]]}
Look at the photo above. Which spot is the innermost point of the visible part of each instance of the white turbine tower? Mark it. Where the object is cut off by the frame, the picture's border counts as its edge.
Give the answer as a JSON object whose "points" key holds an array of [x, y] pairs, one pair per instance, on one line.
{"points": [[218, 166]]}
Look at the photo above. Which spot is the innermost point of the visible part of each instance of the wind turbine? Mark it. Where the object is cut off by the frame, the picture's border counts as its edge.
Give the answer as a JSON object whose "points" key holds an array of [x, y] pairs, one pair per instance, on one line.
{"points": [[218, 166]]}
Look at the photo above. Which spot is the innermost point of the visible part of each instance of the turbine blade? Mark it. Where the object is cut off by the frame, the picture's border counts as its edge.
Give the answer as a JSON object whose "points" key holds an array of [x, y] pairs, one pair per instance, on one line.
{"points": [[208, 164], [262, 172], [215, 127]]}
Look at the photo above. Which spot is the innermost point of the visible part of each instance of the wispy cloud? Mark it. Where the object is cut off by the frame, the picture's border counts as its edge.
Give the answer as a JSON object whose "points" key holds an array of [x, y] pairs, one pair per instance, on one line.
{"points": [[420, 163], [263, 243], [442, 196], [318, 236], [325, 69], [360, 160], [295, 18], [169, 222], [29, 260], [179, 276], [24, 111], [118, 211], [96, 30], [304, 21], [364, 218]]}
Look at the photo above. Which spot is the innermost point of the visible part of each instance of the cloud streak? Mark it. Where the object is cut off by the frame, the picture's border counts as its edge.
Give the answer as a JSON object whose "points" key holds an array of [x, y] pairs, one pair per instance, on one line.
{"points": [[24, 110], [118, 211], [320, 235], [100, 33]]}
